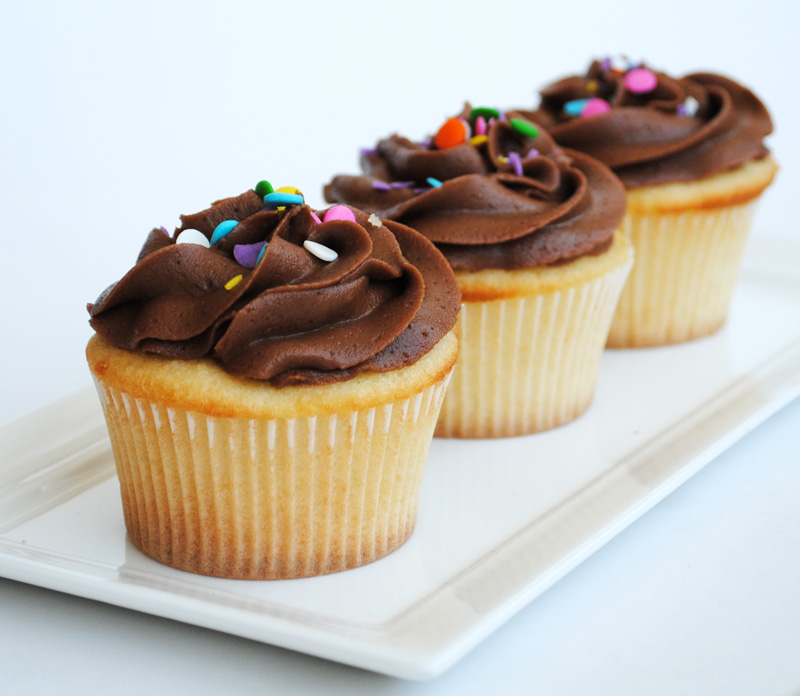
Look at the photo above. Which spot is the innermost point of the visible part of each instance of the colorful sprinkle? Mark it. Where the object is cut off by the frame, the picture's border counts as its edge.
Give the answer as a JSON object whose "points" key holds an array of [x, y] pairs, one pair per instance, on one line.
{"points": [[595, 107], [453, 132], [480, 126], [690, 107], [525, 127], [516, 162], [478, 139], [223, 230], [574, 107], [278, 199], [433, 182], [483, 112], [339, 212], [591, 86], [315, 217], [641, 81], [191, 236], [367, 151], [164, 230], [533, 152], [401, 184], [381, 186], [233, 282], [248, 255], [320, 251], [262, 188], [374, 220]]}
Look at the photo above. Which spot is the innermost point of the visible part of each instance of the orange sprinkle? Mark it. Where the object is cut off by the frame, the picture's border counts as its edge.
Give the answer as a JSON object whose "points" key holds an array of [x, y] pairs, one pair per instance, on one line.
{"points": [[452, 133]]}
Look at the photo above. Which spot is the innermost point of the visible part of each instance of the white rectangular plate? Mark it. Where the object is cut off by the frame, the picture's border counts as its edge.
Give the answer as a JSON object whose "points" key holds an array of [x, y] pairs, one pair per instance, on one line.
{"points": [[500, 521]]}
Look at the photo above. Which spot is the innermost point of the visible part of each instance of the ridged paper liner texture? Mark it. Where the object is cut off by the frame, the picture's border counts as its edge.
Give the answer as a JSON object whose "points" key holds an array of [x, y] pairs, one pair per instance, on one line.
{"points": [[270, 498], [530, 363], [683, 279]]}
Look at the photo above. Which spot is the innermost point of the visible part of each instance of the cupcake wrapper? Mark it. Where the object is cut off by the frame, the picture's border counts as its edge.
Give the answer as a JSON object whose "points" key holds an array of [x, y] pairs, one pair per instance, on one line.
{"points": [[529, 363], [262, 499], [681, 284]]}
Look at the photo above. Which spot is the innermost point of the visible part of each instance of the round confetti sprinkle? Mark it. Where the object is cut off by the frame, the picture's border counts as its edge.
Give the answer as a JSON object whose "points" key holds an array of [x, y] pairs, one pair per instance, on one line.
{"points": [[223, 229], [233, 282], [453, 132], [339, 212], [262, 188], [479, 139], [320, 250], [247, 255], [191, 236], [525, 127], [433, 182], [594, 107], [516, 162], [574, 107], [483, 112], [278, 199], [640, 81]]}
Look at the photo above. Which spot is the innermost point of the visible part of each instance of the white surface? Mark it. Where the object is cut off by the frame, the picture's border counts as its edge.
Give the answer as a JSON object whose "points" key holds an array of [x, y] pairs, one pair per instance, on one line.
{"points": [[116, 119]]}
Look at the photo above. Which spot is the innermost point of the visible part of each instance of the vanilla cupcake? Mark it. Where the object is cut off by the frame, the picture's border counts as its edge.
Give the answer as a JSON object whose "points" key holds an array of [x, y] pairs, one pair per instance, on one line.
{"points": [[530, 230], [271, 379], [690, 152]]}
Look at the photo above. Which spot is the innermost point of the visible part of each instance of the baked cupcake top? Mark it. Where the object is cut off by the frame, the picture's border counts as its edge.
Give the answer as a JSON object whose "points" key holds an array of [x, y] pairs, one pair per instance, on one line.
{"points": [[491, 190], [274, 291], [651, 128]]}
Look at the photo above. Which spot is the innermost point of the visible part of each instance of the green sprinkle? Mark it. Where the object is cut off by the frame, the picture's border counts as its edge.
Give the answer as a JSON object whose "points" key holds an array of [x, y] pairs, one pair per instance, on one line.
{"points": [[525, 127], [263, 188], [485, 111]]}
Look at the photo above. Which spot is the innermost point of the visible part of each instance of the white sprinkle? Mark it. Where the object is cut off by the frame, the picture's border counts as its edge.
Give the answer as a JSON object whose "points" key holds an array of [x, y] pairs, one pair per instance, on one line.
{"points": [[375, 220], [320, 251], [690, 106], [193, 237]]}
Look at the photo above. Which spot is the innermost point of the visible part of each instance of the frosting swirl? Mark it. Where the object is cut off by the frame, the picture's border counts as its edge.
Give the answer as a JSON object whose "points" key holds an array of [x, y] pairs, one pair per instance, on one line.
{"points": [[288, 317], [506, 198], [654, 129]]}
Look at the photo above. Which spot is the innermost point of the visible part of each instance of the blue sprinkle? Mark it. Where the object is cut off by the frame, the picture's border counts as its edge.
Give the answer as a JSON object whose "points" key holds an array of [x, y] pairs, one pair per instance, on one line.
{"points": [[273, 200], [574, 107], [433, 182], [261, 253], [223, 229]]}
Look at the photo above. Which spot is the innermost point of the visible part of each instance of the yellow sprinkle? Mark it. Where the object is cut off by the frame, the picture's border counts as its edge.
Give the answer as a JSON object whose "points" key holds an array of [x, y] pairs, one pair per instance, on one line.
{"points": [[478, 139], [233, 282], [591, 86], [289, 189], [502, 160]]}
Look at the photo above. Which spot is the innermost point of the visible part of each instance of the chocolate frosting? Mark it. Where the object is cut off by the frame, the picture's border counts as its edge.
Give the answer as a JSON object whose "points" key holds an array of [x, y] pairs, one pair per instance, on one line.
{"points": [[682, 130], [550, 206], [385, 301]]}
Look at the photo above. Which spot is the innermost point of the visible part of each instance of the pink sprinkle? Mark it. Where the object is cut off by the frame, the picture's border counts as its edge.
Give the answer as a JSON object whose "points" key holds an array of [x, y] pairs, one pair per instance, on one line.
{"points": [[480, 126], [640, 80], [533, 152], [594, 107], [339, 212], [316, 217]]}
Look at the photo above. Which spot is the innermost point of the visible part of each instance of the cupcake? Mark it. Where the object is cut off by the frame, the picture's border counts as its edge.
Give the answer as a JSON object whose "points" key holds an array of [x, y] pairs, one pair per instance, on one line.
{"points": [[271, 378], [530, 230], [690, 152]]}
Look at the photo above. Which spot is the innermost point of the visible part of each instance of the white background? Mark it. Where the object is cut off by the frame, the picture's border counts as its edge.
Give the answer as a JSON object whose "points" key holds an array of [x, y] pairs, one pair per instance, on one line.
{"points": [[118, 117]]}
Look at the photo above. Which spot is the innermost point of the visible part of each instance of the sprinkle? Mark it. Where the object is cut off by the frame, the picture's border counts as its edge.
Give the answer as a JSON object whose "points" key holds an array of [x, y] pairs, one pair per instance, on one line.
{"points": [[533, 152], [478, 139], [374, 220], [381, 186], [262, 188], [401, 184], [641, 81], [501, 115], [591, 86], [164, 230], [191, 236], [594, 107], [418, 191], [480, 126], [233, 282], [689, 108], [502, 160], [248, 255], [453, 132], [425, 143], [339, 212], [320, 251], [433, 182], [315, 217], [525, 127], [516, 162], [223, 230], [574, 107], [483, 112], [278, 199], [367, 151]]}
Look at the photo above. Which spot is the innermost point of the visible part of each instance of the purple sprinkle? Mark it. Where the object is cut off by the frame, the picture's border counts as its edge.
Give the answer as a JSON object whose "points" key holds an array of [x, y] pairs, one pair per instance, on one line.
{"points": [[401, 184], [605, 65], [682, 109], [425, 143], [533, 152], [247, 255], [164, 230], [516, 161], [367, 151], [417, 191], [501, 115], [381, 185]]}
